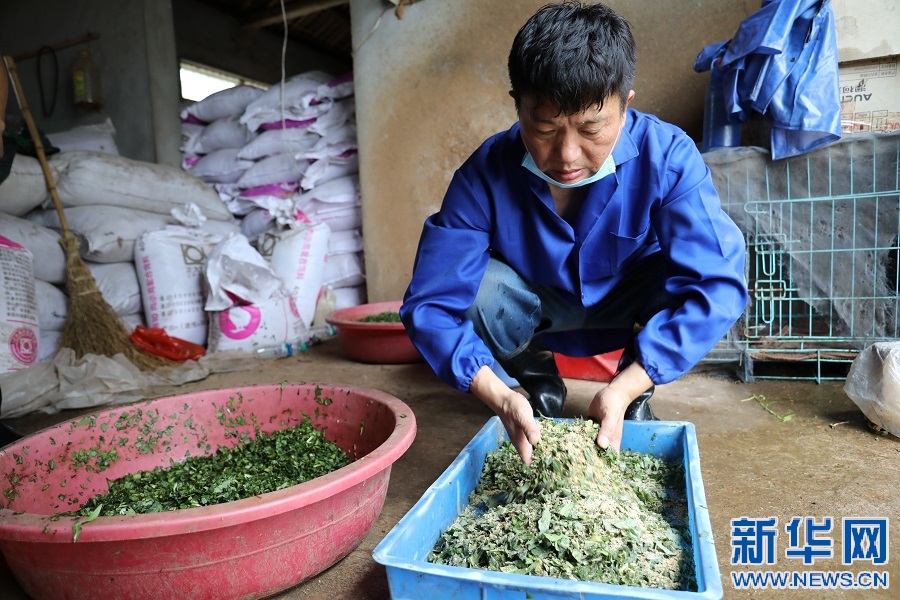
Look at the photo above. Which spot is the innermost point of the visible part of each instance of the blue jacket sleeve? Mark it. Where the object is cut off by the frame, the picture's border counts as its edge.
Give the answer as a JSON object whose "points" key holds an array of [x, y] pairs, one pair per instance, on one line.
{"points": [[450, 263], [705, 252]]}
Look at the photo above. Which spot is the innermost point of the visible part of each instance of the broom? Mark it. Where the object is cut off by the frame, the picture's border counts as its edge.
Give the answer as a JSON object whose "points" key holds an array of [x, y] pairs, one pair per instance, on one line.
{"points": [[91, 326]]}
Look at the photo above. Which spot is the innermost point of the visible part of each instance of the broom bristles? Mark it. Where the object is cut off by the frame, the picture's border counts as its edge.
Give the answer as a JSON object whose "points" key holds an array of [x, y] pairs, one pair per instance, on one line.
{"points": [[92, 326]]}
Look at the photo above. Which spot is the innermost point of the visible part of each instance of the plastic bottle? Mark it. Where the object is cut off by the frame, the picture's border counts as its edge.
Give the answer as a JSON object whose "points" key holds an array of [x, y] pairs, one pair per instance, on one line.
{"points": [[313, 336], [86, 82]]}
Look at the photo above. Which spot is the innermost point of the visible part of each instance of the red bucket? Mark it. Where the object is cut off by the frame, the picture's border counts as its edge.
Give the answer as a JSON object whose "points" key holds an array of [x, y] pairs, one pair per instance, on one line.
{"points": [[250, 548], [373, 342]]}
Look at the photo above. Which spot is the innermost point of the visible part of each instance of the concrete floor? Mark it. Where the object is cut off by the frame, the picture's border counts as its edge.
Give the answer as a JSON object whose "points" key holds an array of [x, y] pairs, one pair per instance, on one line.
{"points": [[824, 462]]}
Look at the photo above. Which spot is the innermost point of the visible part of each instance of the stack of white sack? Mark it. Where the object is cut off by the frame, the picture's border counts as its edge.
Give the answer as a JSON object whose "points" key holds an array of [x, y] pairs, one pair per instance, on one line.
{"points": [[297, 168], [212, 136], [316, 137], [109, 202]]}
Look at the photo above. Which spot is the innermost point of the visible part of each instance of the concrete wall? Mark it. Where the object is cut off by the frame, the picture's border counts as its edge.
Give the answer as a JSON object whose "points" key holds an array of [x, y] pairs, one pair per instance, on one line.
{"points": [[432, 86], [138, 68], [866, 29]]}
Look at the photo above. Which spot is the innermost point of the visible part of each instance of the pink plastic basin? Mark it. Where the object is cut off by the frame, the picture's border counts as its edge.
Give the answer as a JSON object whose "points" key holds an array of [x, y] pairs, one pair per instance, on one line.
{"points": [[249, 548], [373, 342]]}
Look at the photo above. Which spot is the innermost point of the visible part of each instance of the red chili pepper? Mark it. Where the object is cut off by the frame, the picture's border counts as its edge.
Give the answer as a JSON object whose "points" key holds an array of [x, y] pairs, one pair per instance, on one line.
{"points": [[156, 341]]}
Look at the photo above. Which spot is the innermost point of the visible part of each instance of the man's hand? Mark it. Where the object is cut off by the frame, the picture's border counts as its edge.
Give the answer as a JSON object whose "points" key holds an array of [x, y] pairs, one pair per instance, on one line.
{"points": [[609, 404], [513, 409]]}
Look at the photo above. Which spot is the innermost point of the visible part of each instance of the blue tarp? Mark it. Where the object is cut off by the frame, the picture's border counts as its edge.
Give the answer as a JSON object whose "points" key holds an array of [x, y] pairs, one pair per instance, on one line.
{"points": [[782, 63]]}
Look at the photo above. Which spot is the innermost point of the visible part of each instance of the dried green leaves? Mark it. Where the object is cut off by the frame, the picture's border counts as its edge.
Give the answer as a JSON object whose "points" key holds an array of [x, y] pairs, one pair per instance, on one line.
{"points": [[578, 513]]}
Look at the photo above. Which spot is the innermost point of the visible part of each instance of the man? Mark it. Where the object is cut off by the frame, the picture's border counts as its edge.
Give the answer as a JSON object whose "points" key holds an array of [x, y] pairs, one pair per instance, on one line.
{"points": [[586, 227]]}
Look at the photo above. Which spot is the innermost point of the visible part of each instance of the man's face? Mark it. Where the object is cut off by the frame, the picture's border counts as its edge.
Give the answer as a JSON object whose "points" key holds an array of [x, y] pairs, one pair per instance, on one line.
{"points": [[569, 148]]}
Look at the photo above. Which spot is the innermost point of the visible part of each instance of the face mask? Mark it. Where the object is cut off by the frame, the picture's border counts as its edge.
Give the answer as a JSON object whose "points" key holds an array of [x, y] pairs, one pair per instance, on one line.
{"points": [[607, 168]]}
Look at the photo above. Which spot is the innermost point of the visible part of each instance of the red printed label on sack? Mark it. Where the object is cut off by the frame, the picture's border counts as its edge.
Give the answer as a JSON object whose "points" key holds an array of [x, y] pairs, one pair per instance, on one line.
{"points": [[23, 345]]}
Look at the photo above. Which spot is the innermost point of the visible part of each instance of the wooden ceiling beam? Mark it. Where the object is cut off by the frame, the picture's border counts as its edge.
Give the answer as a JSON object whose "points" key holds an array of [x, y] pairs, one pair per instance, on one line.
{"points": [[293, 10]]}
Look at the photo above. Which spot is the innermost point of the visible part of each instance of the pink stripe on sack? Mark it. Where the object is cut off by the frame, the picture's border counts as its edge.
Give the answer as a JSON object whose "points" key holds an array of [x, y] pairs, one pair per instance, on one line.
{"points": [[288, 124], [345, 78], [8, 243]]}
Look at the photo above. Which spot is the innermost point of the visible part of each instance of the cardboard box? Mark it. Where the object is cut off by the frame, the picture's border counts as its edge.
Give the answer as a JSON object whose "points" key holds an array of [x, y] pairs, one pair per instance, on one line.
{"points": [[870, 95]]}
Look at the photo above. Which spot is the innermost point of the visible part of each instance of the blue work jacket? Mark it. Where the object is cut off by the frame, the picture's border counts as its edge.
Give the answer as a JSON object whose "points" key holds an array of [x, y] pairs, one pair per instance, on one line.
{"points": [[660, 199]]}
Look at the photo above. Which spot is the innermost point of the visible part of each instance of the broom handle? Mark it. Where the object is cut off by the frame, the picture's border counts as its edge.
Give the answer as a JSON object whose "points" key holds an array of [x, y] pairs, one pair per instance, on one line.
{"points": [[36, 139]]}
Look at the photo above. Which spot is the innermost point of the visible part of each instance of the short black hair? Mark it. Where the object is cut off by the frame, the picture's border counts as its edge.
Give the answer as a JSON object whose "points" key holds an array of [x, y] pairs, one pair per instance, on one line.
{"points": [[573, 55]]}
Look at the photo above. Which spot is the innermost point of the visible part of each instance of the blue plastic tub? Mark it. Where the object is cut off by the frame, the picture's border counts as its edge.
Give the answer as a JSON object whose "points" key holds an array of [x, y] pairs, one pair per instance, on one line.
{"points": [[404, 550]]}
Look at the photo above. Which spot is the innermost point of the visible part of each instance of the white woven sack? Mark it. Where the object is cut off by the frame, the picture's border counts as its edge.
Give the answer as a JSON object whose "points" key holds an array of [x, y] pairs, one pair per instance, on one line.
{"points": [[90, 178], [342, 242], [19, 328], [25, 187], [279, 168], [337, 143], [227, 103], [108, 233], [189, 134], [40, 241], [132, 321], [344, 270], [291, 140], [48, 344], [298, 258], [346, 297], [339, 87], [268, 324], [326, 169], [170, 264], [339, 190], [119, 286], [257, 222], [237, 274], [224, 133], [338, 218], [53, 306], [298, 98], [221, 166], [95, 138], [340, 114]]}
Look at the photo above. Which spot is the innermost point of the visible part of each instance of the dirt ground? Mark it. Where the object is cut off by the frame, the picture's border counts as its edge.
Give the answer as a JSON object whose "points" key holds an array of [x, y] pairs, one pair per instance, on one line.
{"points": [[823, 462]]}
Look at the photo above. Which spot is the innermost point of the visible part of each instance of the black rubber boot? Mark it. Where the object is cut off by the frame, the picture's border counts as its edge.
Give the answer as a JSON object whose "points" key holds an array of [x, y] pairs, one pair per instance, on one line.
{"points": [[639, 409], [536, 371]]}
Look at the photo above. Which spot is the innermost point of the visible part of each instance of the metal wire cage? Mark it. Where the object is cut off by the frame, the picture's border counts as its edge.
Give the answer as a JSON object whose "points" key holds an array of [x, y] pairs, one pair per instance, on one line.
{"points": [[822, 255]]}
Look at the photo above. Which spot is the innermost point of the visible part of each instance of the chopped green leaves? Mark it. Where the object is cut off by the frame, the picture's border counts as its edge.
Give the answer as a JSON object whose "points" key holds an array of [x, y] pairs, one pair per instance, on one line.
{"points": [[76, 527], [382, 317], [270, 462], [577, 513]]}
